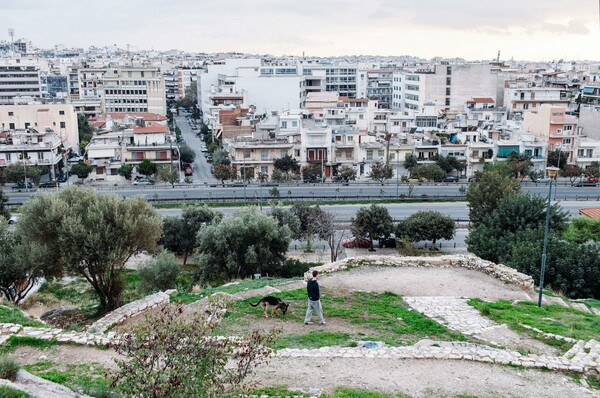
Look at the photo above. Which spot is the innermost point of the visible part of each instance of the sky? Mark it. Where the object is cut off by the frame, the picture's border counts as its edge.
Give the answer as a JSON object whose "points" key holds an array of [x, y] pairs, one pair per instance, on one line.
{"points": [[536, 30]]}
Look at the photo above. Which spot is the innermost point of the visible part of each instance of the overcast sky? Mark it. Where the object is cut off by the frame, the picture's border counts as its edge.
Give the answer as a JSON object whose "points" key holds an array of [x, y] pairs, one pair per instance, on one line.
{"points": [[473, 29]]}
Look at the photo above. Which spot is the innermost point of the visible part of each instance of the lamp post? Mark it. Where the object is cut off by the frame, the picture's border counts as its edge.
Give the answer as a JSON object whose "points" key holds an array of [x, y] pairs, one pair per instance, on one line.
{"points": [[244, 175], [543, 268], [397, 173]]}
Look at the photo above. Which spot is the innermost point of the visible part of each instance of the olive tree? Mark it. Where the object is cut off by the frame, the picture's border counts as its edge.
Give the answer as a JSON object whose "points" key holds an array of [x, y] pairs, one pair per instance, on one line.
{"points": [[246, 243], [381, 172], [91, 235], [427, 225], [372, 223], [484, 195]]}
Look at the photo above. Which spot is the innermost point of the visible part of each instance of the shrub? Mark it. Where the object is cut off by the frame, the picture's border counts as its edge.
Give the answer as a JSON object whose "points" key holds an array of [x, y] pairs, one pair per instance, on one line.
{"points": [[160, 273], [7, 392], [406, 247], [293, 267], [9, 368]]}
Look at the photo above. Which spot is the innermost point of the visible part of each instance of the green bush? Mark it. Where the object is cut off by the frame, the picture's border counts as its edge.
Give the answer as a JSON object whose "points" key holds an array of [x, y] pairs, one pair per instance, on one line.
{"points": [[160, 273], [9, 368], [7, 392], [293, 267], [406, 247]]}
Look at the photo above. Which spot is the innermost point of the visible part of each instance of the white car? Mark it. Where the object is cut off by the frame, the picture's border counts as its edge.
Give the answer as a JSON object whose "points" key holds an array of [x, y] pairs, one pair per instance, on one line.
{"points": [[13, 218], [75, 159], [143, 181]]}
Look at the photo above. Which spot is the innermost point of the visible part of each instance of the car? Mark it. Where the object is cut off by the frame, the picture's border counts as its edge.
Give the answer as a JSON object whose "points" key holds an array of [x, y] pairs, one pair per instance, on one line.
{"points": [[594, 179], [13, 219], [203, 149], [63, 178], [21, 185], [389, 241], [450, 179], [143, 181], [314, 180], [209, 158], [584, 184], [474, 179], [49, 184], [356, 242], [543, 180], [188, 171], [75, 159]]}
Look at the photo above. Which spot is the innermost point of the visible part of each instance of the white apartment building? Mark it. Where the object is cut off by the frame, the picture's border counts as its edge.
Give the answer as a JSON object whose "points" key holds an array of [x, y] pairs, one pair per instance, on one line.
{"points": [[589, 121], [59, 118], [521, 96], [31, 147], [19, 82], [481, 111], [134, 89], [587, 151]]}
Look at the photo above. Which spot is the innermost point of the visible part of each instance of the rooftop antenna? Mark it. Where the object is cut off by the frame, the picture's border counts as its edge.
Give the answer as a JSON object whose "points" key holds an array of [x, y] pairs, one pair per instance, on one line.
{"points": [[11, 33], [498, 59]]}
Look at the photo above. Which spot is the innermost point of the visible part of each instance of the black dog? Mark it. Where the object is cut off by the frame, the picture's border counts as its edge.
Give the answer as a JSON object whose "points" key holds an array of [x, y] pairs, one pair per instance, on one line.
{"points": [[275, 302]]}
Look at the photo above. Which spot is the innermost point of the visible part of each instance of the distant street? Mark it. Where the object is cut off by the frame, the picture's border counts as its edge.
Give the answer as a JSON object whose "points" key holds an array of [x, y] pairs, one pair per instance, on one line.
{"points": [[201, 167]]}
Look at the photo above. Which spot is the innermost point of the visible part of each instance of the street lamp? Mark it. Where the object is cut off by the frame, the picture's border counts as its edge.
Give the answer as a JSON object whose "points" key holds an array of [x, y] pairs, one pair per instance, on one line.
{"points": [[553, 170], [397, 173]]}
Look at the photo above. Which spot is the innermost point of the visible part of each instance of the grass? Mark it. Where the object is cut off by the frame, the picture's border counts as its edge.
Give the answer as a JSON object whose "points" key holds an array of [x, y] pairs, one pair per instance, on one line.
{"points": [[362, 316], [7, 392], [91, 379], [19, 341], [246, 284], [551, 318], [13, 315], [340, 392], [9, 368]]}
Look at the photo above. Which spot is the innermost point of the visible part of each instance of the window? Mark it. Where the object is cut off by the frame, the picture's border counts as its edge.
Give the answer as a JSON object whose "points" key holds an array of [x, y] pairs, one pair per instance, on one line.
{"points": [[63, 125], [566, 141], [568, 127], [11, 113], [61, 112], [381, 153], [350, 138], [264, 169], [392, 156], [283, 153], [294, 124], [11, 126], [246, 153], [369, 154], [264, 154], [589, 153], [8, 157], [297, 153], [284, 124], [40, 155]]}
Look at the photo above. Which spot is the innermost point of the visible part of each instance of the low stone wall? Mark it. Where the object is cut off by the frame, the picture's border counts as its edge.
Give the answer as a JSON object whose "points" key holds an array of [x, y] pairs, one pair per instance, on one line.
{"points": [[428, 349], [498, 271], [83, 338], [121, 314]]}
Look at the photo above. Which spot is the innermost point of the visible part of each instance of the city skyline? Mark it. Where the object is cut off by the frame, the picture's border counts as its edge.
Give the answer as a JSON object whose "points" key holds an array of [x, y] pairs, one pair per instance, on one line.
{"points": [[535, 30]]}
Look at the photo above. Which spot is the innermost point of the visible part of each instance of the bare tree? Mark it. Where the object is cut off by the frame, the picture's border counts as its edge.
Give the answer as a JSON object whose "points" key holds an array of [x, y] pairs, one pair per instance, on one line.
{"points": [[324, 226]]}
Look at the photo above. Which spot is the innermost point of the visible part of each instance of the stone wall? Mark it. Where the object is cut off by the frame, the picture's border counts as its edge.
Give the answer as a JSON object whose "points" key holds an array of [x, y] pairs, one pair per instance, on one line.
{"points": [[498, 271]]}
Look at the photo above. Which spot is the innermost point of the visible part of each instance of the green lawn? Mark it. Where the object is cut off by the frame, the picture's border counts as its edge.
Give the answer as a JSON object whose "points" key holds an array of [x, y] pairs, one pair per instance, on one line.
{"points": [[7, 392], [551, 318], [357, 316], [90, 379], [13, 315]]}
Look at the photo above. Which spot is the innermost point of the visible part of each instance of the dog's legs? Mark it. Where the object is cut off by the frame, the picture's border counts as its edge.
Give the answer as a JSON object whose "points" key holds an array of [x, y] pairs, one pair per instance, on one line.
{"points": [[264, 305]]}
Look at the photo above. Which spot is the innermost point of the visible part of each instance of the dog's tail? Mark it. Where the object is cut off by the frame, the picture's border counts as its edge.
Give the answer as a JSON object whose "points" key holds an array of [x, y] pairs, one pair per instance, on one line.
{"points": [[255, 305]]}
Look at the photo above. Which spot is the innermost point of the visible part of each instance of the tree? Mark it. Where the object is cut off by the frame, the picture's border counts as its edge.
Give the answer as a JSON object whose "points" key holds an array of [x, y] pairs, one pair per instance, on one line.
{"points": [[85, 131], [325, 227], [175, 354], [262, 177], [186, 154], [572, 171], [427, 225], [287, 218], [593, 170], [381, 172], [287, 164], [410, 162], [183, 231], [147, 168], [81, 170], [372, 223], [3, 201], [125, 171], [168, 174], [238, 247], [431, 172], [17, 172], [492, 238], [306, 214], [223, 172], [520, 164], [278, 175], [582, 230], [347, 173], [553, 157], [91, 235], [221, 156], [22, 265], [159, 274], [483, 196], [449, 163], [312, 172]]}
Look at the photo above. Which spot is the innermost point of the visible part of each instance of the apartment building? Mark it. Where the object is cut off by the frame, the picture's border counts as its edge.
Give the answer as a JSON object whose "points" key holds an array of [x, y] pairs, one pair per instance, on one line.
{"points": [[587, 151], [19, 82], [31, 147], [257, 155], [589, 121], [552, 124], [61, 119], [134, 89], [521, 96], [343, 79], [379, 87], [481, 111]]}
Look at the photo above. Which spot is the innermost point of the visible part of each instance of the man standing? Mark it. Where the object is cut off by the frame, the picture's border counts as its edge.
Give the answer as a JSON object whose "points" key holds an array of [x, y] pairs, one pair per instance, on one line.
{"points": [[314, 300]]}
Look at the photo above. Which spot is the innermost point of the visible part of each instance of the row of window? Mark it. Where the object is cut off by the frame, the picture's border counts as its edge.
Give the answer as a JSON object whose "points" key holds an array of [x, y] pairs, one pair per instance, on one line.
{"points": [[28, 155], [13, 126], [125, 92], [126, 109], [126, 101]]}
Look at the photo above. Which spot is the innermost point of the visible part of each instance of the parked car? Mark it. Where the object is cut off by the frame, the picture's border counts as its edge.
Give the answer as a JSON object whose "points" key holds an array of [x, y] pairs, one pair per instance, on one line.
{"points": [[143, 181], [584, 184], [63, 178], [389, 241], [450, 179], [356, 242], [21, 185], [75, 159], [48, 184], [209, 158], [188, 171], [543, 180], [473, 179], [594, 179], [13, 218]]}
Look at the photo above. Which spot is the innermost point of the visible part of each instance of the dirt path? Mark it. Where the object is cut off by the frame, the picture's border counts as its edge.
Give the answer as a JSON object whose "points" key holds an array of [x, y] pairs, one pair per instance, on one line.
{"points": [[423, 281], [418, 378]]}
